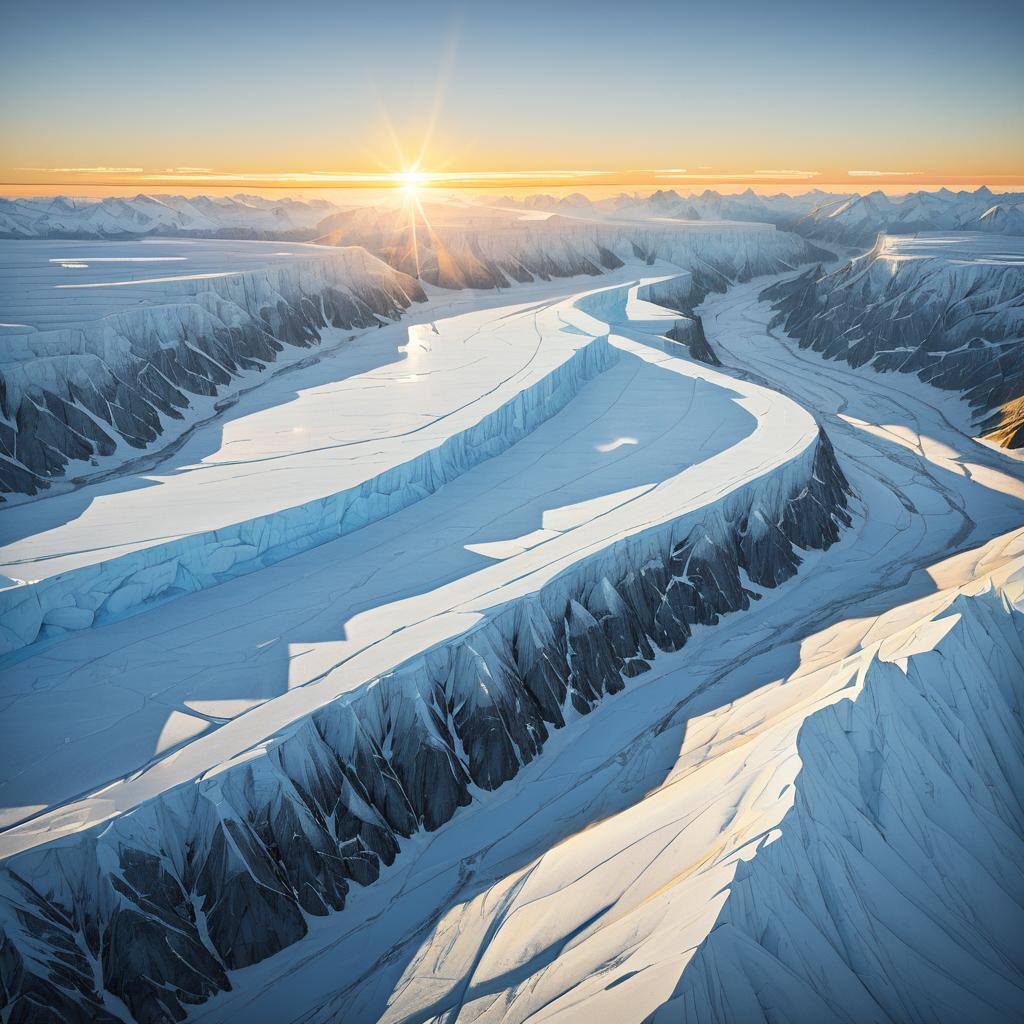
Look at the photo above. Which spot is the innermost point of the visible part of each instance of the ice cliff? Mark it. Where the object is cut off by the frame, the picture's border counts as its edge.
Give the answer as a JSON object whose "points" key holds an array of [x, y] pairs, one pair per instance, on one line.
{"points": [[79, 391], [122, 585], [456, 250], [949, 308]]}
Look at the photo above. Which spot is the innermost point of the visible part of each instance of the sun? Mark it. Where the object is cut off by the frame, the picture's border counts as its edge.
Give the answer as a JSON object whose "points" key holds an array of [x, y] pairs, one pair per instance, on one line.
{"points": [[411, 182]]}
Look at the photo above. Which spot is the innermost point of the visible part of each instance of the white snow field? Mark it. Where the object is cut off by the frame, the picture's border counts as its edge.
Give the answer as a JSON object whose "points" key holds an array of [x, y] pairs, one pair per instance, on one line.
{"points": [[545, 717]]}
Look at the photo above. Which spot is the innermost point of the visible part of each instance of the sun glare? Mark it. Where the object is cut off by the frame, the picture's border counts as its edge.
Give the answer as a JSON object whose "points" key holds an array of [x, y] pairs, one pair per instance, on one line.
{"points": [[411, 181]]}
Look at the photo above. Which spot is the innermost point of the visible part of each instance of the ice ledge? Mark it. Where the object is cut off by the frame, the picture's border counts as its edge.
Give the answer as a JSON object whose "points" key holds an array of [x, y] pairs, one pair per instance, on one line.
{"points": [[124, 585]]}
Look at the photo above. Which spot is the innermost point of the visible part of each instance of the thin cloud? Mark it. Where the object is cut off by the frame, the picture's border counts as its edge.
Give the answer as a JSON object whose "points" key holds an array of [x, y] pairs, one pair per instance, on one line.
{"points": [[83, 170], [883, 174], [382, 178], [189, 170], [740, 177], [787, 174]]}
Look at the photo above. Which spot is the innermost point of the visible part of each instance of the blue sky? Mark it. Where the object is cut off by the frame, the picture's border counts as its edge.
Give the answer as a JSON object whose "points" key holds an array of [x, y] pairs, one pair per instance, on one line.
{"points": [[934, 89]]}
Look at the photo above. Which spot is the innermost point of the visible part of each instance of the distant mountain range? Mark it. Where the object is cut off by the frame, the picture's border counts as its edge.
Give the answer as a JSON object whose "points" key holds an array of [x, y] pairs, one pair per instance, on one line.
{"points": [[853, 220], [845, 220], [234, 216]]}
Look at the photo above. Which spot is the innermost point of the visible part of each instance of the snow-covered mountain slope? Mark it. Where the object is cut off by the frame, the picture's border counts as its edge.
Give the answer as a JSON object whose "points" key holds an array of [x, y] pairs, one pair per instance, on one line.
{"points": [[128, 217], [105, 344], [948, 307], [582, 889], [891, 889], [857, 220], [460, 247], [224, 852]]}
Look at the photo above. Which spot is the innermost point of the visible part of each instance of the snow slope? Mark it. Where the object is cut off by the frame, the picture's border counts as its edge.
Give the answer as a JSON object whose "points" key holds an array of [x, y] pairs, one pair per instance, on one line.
{"points": [[431, 692], [947, 307], [104, 344], [588, 886]]}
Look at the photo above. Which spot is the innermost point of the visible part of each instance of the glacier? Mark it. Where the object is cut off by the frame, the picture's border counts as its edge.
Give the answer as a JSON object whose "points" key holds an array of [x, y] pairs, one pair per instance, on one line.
{"points": [[90, 585], [111, 345], [566, 642], [104, 343], [238, 855], [589, 883]]}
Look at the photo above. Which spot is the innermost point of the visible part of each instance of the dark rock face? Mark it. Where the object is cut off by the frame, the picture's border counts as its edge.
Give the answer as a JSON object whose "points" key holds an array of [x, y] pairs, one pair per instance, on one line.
{"points": [[100, 401], [158, 904], [684, 295], [958, 329], [691, 333]]}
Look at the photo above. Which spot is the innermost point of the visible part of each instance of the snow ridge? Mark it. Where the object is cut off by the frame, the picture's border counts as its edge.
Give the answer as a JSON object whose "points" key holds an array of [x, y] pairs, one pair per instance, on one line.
{"points": [[894, 891], [152, 907]]}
